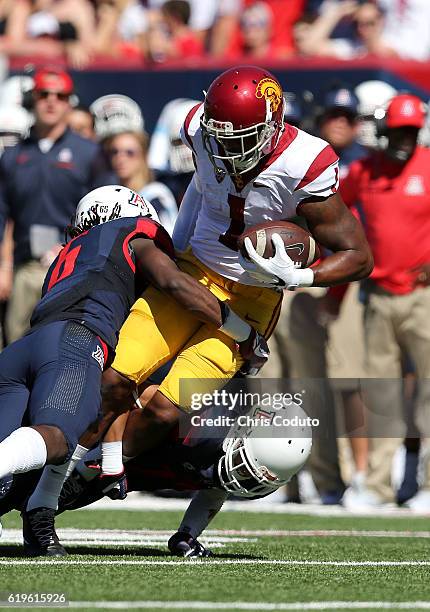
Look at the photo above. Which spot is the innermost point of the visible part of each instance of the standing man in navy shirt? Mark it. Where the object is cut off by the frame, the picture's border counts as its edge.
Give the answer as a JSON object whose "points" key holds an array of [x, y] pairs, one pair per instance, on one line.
{"points": [[41, 180]]}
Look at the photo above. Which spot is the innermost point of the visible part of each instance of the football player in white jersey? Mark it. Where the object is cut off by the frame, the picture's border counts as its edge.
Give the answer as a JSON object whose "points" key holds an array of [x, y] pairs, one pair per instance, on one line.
{"points": [[251, 167]]}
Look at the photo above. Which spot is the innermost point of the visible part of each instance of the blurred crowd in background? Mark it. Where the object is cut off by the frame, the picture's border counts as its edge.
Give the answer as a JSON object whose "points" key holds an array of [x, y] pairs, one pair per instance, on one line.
{"points": [[54, 150], [156, 31]]}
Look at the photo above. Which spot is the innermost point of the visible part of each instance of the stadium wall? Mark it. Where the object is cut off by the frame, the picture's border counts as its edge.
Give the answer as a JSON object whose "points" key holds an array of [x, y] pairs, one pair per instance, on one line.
{"points": [[152, 87]]}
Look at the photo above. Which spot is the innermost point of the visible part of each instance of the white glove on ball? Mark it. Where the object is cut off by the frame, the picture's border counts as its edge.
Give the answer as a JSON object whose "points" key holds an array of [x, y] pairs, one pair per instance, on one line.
{"points": [[278, 272]]}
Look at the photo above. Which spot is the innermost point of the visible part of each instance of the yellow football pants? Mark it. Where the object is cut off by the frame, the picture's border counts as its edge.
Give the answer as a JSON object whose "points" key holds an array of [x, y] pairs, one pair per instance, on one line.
{"points": [[159, 329]]}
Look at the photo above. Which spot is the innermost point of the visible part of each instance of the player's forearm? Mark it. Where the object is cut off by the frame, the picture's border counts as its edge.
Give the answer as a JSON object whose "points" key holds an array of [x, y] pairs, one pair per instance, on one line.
{"points": [[195, 298], [335, 227], [204, 306], [343, 267]]}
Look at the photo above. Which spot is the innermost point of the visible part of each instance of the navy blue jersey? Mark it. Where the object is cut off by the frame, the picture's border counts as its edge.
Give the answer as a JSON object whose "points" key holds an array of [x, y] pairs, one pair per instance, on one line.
{"points": [[93, 280], [41, 189]]}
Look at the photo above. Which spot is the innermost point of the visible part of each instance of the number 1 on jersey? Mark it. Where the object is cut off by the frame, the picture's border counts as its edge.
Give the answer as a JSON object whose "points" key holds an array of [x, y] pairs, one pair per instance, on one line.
{"points": [[237, 223]]}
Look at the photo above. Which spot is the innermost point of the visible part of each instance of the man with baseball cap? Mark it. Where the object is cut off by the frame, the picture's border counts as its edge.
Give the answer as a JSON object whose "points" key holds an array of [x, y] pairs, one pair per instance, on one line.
{"points": [[404, 117], [53, 80], [338, 124], [391, 188], [41, 180]]}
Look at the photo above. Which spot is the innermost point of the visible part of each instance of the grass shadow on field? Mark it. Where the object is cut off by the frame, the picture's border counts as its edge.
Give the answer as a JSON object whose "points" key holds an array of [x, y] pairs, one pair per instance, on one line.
{"points": [[236, 556], [142, 552], [111, 551], [16, 550], [11, 550]]}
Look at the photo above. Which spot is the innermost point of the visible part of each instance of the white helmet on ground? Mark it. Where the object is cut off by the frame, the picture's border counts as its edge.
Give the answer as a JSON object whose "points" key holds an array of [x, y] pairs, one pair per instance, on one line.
{"points": [[108, 203], [115, 114], [372, 95], [265, 459]]}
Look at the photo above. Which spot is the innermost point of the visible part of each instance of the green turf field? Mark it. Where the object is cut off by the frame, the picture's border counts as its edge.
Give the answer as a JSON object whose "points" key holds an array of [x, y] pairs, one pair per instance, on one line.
{"points": [[262, 562]]}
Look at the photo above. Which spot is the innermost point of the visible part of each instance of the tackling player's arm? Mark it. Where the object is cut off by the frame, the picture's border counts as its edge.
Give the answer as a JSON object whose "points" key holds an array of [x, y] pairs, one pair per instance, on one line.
{"points": [[162, 272], [334, 226]]}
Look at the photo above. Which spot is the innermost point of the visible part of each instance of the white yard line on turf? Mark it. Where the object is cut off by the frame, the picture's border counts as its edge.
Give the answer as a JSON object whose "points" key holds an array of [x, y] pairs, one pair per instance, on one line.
{"points": [[284, 533], [191, 562], [239, 605], [118, 537], [212, 537], [136, 501]]}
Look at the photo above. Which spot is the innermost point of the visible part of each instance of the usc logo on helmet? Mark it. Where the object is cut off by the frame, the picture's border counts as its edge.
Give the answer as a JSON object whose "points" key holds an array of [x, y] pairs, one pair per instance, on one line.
{"points": [[270, 90]]}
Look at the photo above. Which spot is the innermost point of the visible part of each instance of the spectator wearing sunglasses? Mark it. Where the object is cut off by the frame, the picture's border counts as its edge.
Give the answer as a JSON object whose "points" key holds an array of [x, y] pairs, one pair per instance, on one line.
{"points": [[128, 154], [42, 179], [256, 31]]}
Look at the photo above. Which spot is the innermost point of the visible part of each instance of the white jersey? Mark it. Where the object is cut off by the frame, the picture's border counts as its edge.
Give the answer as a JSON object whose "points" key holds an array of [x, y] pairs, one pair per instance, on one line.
{"points": [[300, 166]]}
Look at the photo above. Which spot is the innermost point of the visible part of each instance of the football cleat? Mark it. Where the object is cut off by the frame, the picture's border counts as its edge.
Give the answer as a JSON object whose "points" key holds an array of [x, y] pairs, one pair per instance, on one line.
{"points": [[40, 537], [182, 544], [75, 490], [78, 492]]}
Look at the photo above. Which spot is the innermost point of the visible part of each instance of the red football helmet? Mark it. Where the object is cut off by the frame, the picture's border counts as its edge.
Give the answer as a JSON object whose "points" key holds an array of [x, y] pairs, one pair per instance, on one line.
{"points": [[243, 118]]}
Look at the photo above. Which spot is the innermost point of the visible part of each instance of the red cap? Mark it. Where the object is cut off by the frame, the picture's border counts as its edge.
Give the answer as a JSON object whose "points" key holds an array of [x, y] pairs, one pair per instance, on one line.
{"points": [[405, 110], [52, 79]]}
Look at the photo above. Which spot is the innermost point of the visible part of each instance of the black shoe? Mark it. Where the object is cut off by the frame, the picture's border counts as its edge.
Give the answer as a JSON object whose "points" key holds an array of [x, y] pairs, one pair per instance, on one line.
{"points": [[183, 545], [74, 493], [78, 492], [40, 538]]}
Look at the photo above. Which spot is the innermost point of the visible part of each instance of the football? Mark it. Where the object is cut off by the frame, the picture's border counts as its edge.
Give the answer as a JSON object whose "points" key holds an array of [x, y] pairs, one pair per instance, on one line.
{"points": [[299, 243]]}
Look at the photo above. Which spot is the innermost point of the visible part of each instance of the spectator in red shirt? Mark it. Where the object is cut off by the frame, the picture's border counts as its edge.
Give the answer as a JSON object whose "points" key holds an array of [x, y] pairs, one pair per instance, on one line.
{"points": [[230, 36], [257, 31], [285, 15], [391, 189], [182, 41]]}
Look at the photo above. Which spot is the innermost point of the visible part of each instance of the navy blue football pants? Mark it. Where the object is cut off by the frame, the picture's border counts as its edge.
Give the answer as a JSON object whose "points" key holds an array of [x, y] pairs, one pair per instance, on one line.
{"points": [[52, 376]]}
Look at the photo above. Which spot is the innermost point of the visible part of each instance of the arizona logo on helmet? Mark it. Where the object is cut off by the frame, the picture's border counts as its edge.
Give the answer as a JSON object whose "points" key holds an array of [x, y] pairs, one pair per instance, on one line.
{"points": [[269, 89], [135, 199]]}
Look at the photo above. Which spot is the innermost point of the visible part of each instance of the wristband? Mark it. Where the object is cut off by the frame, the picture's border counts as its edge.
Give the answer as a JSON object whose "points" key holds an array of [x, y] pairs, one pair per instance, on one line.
{"points": [[234, 326], [303, 278]]}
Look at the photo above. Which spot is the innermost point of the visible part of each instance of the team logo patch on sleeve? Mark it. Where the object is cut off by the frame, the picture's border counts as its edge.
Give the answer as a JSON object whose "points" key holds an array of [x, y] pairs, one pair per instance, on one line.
{"points": [[269, 89], [98, 355]]}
